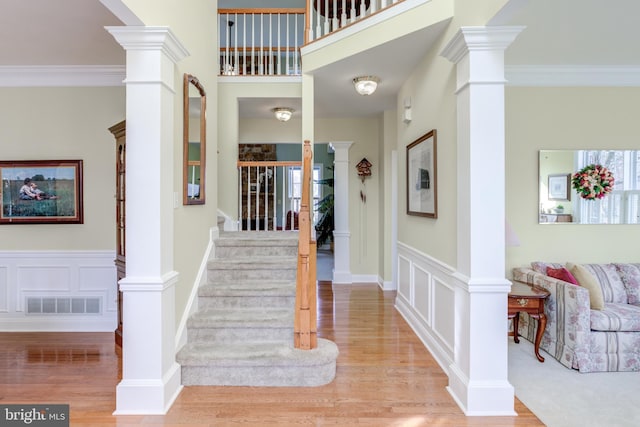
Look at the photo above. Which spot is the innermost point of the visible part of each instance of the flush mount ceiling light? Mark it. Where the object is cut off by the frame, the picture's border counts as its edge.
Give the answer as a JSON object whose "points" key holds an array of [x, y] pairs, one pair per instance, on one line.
{"points": [[283, 113], [366, 85]]}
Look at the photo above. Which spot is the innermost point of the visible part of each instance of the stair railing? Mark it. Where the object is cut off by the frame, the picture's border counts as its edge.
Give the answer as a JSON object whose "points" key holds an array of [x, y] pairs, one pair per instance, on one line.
{"points": [[263, 196], [305, 322], [260, 41]]}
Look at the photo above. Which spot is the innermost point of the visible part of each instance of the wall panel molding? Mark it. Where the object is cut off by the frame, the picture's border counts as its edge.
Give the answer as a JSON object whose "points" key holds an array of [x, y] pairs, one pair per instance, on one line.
{"points": [[57, 274], [426, 296]]}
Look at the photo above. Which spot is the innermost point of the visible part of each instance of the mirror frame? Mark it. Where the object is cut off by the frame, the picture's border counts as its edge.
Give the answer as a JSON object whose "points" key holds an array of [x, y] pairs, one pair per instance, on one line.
{"points": [[193, 80]]}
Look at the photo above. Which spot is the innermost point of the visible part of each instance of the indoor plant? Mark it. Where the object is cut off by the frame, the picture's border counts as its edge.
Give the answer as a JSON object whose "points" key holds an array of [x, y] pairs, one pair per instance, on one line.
{"points": [[325, 225]]}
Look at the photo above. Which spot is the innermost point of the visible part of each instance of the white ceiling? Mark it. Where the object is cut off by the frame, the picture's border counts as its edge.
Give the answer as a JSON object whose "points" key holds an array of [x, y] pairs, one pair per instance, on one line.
{"points": [[567, 32]]}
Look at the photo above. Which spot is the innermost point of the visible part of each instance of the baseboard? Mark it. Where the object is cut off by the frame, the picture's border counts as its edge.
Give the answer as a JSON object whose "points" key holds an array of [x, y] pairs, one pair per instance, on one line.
{"points": [[192, 304]]}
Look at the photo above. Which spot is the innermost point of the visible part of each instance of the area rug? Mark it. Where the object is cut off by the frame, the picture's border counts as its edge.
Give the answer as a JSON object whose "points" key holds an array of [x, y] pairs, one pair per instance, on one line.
{"points": [[563, 397]]}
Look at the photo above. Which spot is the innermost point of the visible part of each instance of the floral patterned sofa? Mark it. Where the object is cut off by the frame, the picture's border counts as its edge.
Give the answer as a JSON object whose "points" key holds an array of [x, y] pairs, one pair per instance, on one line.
{"points": [[604, 337]]}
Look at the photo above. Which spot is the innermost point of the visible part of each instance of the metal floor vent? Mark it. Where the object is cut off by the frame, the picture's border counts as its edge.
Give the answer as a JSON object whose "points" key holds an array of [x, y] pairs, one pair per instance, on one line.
{"points": [[53, 305]]}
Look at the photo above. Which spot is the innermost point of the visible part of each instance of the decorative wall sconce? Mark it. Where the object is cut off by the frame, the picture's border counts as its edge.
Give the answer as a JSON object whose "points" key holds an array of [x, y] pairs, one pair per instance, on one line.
{"points": [[283, 113], [406, 114], [366, 85], [364, 169]]}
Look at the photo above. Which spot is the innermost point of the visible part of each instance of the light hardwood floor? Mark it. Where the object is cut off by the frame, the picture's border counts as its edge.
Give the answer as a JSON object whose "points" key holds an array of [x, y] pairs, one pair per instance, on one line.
{"points": [[385, 377]]}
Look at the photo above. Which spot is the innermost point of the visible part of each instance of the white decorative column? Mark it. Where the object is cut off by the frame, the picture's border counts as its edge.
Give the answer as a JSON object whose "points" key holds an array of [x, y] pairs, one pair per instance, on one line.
{"points": [[341, 233], [150, 374], [478, 376]]}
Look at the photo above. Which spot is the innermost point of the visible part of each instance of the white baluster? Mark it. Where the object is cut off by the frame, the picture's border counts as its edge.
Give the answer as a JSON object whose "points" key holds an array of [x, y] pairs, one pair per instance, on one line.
{"points": [[248, 197], [274, 171], [253, 40], [334, 22], [318, 26], [352, 12], [283, 196], [266, 198], [326, 16], [343, 18], [257, 198]]}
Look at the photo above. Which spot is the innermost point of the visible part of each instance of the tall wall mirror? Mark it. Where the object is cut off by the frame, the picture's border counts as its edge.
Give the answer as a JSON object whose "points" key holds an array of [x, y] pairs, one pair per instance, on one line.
{"points": [[194, 141], [589, 186]]}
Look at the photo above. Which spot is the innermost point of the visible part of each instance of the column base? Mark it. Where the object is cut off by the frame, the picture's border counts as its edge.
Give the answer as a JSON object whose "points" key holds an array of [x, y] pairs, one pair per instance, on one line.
{"points": [[481, 398], [144, 396]]}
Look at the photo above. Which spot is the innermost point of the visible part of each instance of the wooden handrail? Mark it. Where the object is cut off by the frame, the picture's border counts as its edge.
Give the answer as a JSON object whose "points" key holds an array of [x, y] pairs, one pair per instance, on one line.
{"points": [[266, 11], [269, 163], [305, 322]]}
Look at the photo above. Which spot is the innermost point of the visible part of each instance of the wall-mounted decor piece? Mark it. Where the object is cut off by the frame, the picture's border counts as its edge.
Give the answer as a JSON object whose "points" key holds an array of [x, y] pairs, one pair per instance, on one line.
{"points": [[194, 141], [558, 186], [422, 187], [364, 169], [41, 192]]}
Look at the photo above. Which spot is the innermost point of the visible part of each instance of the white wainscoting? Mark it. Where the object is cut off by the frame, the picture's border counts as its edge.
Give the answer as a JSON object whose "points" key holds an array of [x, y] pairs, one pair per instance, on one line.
{"points": [[76, 275], [426, 299]]}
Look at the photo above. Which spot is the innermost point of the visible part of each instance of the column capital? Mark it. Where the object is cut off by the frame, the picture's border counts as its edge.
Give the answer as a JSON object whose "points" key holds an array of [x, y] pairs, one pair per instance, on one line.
{"points": [[148, 39], [469, 39], [341, 150]]}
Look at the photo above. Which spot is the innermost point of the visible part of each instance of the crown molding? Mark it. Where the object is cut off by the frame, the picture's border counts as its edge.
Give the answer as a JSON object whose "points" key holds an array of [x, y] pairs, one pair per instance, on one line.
{"points": [[575, 75], [62, 75]]}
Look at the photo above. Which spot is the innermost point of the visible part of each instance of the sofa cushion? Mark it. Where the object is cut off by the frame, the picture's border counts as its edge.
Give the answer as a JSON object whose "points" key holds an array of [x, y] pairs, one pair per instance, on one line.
{"points": [[561, 274], [588, 281], [630, 275], [616, 318], [541, 267], [613, 289]]}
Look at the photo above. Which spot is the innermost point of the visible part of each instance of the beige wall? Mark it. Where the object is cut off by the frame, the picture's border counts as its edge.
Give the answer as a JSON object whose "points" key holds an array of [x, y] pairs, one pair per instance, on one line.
{"points": [[195, 26], [65, 123], [364, 217], [564, 118], [431, 88]]}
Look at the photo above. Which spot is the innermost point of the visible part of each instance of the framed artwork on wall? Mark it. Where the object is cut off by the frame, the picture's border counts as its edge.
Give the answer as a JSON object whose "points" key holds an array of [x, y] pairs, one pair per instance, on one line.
{"points": [[559, 188], [41, 192], [422, 176]]}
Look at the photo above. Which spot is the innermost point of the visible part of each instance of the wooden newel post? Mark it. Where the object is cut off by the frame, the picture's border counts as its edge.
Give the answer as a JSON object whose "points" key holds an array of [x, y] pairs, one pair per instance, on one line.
{"points": [[305, 328]]}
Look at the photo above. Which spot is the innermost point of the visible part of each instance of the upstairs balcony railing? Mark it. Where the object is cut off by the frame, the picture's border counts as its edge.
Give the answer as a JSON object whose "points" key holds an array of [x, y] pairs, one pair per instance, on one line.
{"points": [[266, 42]]}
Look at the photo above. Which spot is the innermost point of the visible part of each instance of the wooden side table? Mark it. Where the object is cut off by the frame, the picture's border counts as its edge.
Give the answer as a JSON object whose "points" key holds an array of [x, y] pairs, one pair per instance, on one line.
{"points": [[529, 299]]}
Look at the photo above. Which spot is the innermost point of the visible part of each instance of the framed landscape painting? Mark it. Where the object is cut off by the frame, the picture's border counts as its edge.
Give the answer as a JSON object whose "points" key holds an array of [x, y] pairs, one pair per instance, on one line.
{"points": [[41, 191], [422, 188]]}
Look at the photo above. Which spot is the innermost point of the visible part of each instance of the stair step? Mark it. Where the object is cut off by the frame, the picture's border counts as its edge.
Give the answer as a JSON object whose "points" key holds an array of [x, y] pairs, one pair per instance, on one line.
{"points": [[249, 288], [265, 268], [254, 243], [238, 318], [248, 294], [257, 364], [229, 326]]}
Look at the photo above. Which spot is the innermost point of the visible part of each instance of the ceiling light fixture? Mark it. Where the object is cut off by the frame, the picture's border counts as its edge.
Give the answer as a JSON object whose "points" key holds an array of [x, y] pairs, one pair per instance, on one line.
{"points": [[366, 85], [283, 113]]}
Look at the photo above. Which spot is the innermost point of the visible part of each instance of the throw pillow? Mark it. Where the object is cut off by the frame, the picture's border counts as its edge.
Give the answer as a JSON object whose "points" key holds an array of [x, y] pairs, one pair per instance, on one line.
{"points": [[562, 274], [588, 281], [541, 267]]}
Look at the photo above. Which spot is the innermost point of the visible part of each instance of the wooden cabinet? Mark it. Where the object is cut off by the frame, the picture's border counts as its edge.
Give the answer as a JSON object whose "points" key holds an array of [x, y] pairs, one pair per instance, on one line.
{"points": [[119, 132]]}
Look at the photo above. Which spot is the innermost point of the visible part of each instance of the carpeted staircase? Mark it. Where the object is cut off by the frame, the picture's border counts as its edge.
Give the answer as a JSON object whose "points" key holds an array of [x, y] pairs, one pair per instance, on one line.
{"points": [[242, 333]]}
